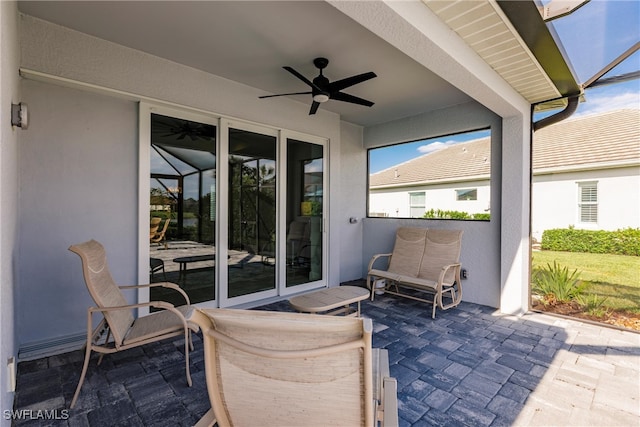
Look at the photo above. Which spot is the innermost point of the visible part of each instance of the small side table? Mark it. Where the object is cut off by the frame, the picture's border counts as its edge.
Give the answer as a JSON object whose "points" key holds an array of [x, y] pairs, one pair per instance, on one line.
{"points": [[328, 301], [185, 260]]}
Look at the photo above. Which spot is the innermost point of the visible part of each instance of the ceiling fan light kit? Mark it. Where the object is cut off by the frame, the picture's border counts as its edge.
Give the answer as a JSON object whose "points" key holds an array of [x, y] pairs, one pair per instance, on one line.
{"points": [[322, 90]]}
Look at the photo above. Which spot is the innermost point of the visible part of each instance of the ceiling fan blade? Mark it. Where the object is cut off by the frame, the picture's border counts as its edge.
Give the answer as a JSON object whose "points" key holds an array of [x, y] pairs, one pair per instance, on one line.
{"points": [[286, 94], [301, 77], [314, 107], [339, 96], [350, 81]]}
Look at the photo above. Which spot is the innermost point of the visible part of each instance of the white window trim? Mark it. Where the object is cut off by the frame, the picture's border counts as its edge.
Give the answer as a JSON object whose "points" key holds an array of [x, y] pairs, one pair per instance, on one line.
{"points": [[580, 186], [423, 205]]}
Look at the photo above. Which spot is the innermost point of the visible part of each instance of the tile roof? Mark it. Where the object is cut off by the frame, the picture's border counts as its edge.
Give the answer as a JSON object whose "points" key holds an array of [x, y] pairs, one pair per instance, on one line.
{"points": [[612, 137], [598, 140], [461, 161]]}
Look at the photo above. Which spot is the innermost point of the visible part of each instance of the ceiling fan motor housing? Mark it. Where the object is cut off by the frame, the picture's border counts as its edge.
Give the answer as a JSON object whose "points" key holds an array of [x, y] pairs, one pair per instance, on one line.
{"points": [[322, 83]]}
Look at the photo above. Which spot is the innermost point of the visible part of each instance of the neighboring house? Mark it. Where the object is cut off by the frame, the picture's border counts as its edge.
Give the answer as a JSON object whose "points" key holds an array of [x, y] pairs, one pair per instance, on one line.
{"points": [[453, 178], [586, 174]]}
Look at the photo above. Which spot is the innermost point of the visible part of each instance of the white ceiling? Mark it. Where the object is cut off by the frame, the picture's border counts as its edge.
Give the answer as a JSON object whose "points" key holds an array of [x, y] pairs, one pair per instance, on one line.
{"points": [[249, 42]]}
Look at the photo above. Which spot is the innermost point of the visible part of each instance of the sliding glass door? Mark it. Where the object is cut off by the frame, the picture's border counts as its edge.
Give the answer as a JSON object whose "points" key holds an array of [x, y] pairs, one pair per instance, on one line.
{"points": [[182, 207], [251, 207], [236, 210], [304, 212]]}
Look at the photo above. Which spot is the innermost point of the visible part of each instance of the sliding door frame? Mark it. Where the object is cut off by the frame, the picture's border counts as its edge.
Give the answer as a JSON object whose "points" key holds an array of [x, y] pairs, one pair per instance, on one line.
{"points": [[223, 124]]}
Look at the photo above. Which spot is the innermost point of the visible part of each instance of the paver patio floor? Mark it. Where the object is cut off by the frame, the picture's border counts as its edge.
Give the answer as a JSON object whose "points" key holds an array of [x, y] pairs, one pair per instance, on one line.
{"points": [[468, 367]]}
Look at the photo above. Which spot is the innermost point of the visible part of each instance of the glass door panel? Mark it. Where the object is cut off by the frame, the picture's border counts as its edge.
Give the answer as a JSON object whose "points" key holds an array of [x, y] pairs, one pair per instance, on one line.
{"points": [[305, 215], [182, 196], [251, 213]]}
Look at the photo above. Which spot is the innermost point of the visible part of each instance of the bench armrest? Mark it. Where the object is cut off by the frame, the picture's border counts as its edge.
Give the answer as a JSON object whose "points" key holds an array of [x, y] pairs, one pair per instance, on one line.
{"points": [[376, 257]]}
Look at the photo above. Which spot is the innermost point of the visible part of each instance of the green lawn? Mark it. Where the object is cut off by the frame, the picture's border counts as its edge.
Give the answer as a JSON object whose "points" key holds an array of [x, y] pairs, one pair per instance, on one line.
{"points": [[615, 277]]}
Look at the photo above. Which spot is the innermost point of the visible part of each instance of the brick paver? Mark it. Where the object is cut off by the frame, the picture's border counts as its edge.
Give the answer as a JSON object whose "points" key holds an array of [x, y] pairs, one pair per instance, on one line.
{"points": [[468, 367]]}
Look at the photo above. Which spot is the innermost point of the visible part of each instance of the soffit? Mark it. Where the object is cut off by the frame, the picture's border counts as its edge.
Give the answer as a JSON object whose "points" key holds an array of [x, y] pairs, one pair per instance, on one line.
{"points": [[487, 30]]}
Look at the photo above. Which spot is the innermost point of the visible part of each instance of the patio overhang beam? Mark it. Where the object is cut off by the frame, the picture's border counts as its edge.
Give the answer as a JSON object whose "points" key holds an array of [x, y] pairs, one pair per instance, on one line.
{"points": [[617, 79], [595, 80]]}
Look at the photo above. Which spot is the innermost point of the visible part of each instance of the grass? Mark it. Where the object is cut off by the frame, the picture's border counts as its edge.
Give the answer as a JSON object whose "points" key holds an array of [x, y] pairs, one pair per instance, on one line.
{"points": [[614, 277]]}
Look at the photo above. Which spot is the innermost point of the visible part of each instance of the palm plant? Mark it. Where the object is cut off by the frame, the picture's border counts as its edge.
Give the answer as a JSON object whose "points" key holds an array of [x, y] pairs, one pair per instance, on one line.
{"points": [[556, 283]]}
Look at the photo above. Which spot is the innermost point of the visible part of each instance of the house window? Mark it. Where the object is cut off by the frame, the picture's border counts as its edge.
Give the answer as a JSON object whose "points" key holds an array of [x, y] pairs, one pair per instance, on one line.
{"points": [[441, 167], [467, 194], [416, 204], [588, 202]]}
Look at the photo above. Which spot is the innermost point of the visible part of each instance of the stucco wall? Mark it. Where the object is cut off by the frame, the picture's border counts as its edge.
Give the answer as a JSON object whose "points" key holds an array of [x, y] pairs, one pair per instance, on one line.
{"points": [[78, 181], [9, 93], [353, 196], [481, 240]]}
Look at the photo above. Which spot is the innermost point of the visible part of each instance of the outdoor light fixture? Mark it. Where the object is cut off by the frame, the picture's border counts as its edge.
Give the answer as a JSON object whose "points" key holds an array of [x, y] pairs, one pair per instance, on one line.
{"points": [[19, 115]]}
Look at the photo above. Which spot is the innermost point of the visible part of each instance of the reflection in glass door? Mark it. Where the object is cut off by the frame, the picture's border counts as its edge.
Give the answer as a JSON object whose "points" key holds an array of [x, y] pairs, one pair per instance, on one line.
{"points": [[251, 213], [182, 203], [304, 216]]}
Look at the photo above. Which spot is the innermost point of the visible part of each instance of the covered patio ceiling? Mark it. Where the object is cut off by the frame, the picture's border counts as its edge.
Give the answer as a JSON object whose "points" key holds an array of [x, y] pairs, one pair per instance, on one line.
{"points": [[250, 41]]}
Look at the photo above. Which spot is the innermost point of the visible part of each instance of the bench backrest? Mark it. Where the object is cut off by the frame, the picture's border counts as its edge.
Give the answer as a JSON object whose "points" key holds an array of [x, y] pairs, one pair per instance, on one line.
{"points": [[442, 247], [408, 251]]}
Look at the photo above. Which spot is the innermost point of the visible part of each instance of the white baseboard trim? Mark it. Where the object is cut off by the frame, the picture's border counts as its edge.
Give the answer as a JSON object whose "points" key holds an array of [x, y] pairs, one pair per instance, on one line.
{"points": [[45, 348]]}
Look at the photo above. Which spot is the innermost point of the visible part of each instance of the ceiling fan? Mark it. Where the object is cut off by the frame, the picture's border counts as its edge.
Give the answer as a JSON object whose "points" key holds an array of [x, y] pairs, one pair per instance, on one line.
{"points": [[323, 90]]}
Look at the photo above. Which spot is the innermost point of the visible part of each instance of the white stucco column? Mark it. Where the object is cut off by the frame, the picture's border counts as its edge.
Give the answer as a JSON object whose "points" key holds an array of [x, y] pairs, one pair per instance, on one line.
{"points": [[515, 248]]}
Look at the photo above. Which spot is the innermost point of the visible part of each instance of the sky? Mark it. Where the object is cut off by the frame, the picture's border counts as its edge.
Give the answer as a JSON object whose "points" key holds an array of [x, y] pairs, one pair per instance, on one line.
{"points": [[592, 37]]}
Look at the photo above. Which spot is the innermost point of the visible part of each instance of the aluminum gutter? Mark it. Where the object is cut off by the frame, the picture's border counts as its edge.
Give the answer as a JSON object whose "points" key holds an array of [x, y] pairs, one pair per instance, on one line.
{"points": [[587, 167], [543, 43]]}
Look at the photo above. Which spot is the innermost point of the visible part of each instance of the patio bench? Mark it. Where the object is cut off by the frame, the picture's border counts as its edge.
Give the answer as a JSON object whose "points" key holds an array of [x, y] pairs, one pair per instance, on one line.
{"points": [[423, 260]]}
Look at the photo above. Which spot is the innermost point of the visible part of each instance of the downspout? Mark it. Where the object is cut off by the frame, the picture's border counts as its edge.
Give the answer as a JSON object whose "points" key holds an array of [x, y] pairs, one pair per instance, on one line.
{"points": [[571, 108]]}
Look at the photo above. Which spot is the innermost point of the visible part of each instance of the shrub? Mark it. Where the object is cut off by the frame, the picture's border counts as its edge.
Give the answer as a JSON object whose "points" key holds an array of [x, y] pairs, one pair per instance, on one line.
{"points": [[556, 283], [619, 242], [442, 214], [482, 216], [593, 304]]}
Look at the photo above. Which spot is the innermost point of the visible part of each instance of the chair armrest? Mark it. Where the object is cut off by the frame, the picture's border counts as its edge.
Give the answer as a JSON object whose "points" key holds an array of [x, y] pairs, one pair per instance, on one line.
{"points": [[386, 389], [390, 402], [444, 270], [168, 285], [156, 304], [375, 258]]}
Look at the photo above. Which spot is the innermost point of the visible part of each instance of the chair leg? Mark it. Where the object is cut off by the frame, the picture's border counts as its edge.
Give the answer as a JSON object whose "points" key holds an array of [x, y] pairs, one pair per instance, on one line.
{"points": [[207, 420], [370, 283], [187, 341], [106, 341], [435, 304], [87, 357]]}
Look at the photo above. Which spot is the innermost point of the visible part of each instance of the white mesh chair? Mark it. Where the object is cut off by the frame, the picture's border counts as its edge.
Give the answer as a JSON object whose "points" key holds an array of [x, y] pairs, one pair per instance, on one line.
{"points": [[119, 330], [292, 369]]}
